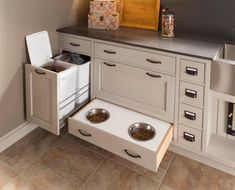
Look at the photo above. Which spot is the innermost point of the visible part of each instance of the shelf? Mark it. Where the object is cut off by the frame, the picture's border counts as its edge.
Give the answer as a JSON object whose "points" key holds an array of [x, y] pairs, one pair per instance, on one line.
{"points": [[222, 149]]}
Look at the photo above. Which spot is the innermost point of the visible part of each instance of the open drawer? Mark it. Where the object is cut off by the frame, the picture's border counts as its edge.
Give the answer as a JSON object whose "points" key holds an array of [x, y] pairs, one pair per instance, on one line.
{"points": [[114, 134]]}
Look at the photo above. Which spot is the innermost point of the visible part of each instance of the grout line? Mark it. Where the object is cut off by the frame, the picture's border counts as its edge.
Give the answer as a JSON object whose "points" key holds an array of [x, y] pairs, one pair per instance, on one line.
{"points": [[86, 147], [6, 164], [93, 173], [168, 168]]}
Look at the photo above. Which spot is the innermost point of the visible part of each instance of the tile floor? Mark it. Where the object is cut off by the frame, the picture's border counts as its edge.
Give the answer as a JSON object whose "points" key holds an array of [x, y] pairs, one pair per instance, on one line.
{"points": [[42, 161]]}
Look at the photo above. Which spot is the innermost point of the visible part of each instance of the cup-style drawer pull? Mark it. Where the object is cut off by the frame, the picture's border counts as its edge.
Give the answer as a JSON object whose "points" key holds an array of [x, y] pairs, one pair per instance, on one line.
{"points": [[131, 155], [110, 64], [191, 71], [189, 137], [83, 133], [153, 61], [40, 72], [109, 52], [191, 93], [74, 44], [153, 75], [190, 115]]}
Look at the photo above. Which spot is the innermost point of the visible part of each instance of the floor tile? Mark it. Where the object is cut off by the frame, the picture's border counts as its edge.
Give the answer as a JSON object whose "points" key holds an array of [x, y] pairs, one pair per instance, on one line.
{"points": [[166, 161], [23, 153], [21, 182], [6, 174], [112, 176], [164, 187], [157, 177], [87, 145], [184, 174], [65, 167]]}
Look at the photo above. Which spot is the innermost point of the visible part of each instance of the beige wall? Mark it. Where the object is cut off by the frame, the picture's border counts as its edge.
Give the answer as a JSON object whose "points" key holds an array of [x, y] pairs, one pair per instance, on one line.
{"points": [[17, 19]]}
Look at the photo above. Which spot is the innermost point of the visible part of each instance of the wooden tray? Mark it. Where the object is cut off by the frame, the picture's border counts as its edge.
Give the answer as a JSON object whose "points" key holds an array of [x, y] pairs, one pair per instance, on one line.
{"points": [[140, 14]]}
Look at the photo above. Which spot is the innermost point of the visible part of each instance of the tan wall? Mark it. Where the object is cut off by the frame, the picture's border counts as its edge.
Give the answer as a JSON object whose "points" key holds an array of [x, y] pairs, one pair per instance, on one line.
{"points": [[17, 19]]}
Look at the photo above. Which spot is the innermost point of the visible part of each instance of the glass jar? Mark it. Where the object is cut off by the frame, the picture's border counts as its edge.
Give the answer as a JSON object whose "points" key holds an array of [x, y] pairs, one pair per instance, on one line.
{"points": [[168, 18]]}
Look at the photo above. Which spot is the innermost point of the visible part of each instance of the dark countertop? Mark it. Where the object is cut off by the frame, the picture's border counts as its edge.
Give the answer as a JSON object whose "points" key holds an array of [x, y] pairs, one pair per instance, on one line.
{"points": [[196, 46]]}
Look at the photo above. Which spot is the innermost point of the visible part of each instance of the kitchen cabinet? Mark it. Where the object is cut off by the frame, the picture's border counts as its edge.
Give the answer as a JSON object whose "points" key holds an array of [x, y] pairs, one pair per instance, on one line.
{"points": [[52, 95]]}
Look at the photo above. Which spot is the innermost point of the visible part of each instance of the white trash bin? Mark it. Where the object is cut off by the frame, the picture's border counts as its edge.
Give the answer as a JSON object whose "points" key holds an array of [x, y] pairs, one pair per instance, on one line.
{"points": [[83, 75]]}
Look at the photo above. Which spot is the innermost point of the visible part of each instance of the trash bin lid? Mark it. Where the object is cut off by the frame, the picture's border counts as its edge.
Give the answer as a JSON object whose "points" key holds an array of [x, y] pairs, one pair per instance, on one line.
{"points": [[39, 48]]}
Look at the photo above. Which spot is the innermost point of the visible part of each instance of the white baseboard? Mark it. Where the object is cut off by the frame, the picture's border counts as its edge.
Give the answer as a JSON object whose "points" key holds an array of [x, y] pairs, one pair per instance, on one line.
{"points": [[15, 135], [203, 158]]}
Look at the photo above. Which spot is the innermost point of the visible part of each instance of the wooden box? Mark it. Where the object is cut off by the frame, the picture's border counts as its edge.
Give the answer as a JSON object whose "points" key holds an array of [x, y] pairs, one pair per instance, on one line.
{"points": [[103, 21], [103, 6]]}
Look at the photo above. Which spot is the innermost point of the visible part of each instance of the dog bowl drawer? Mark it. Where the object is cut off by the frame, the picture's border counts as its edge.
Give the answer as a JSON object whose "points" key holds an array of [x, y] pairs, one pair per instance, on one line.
{"points": [[147, 153]]}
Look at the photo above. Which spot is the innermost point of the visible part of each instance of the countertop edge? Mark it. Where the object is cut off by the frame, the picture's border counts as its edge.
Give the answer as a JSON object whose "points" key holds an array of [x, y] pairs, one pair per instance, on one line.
{"points": [[62, 30]]}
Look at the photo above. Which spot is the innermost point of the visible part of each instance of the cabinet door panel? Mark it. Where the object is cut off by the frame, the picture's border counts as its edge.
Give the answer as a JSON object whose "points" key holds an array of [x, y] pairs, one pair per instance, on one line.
{"points": [[42, 99], [146, 91]]}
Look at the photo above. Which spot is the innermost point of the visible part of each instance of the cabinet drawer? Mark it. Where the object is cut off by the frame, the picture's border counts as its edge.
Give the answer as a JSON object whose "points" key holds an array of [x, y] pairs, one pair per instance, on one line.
{"points": [[190, 116], [190, 137], [192, 71], [146, 153], [75, 44], [143, 59], [191, 94], [146, 91]]}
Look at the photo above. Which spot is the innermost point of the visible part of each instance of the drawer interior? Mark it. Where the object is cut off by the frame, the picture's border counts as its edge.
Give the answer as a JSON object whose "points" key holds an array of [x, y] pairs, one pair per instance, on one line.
{"points": [[116, 130]]}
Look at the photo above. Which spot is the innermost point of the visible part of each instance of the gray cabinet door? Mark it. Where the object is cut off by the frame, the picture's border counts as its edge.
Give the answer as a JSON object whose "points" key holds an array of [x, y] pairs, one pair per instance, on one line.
{"points": [[146, 91], [42, 98]]}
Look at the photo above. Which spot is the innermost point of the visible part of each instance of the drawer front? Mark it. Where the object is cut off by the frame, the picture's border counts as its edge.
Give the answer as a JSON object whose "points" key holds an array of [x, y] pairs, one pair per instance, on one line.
{"points": [[190, 116], [147, 154], [192, 71], [190, 137], [150, 92], [118, 146], [191, 94], [75, 45], [154, 61]]}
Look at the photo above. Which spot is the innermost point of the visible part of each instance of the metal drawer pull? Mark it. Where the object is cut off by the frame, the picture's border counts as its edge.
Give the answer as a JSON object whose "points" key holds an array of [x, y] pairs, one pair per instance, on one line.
{"points": [[191, 93], [190, 115], [189, 137], [191, 71], [73, 44], [110, 64], [154, 76], [83, 133], [40, 72], [154, 62], [109, 52], [131, 155]]}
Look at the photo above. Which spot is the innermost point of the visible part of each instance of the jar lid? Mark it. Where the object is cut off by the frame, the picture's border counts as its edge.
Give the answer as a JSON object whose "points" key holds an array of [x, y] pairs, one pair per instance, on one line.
{"points": [[167, 11]]}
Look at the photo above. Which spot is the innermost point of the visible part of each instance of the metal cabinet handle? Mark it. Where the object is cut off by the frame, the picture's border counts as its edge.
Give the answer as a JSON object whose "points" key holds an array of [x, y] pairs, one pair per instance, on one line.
{"points": [[109, 52], [84, 134], [131, 155], [40, 72], [190, 115], [191, 93], [154, 76], [189, 137], [73, 44], [110, 64], [191, 71], [154, 62]]}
